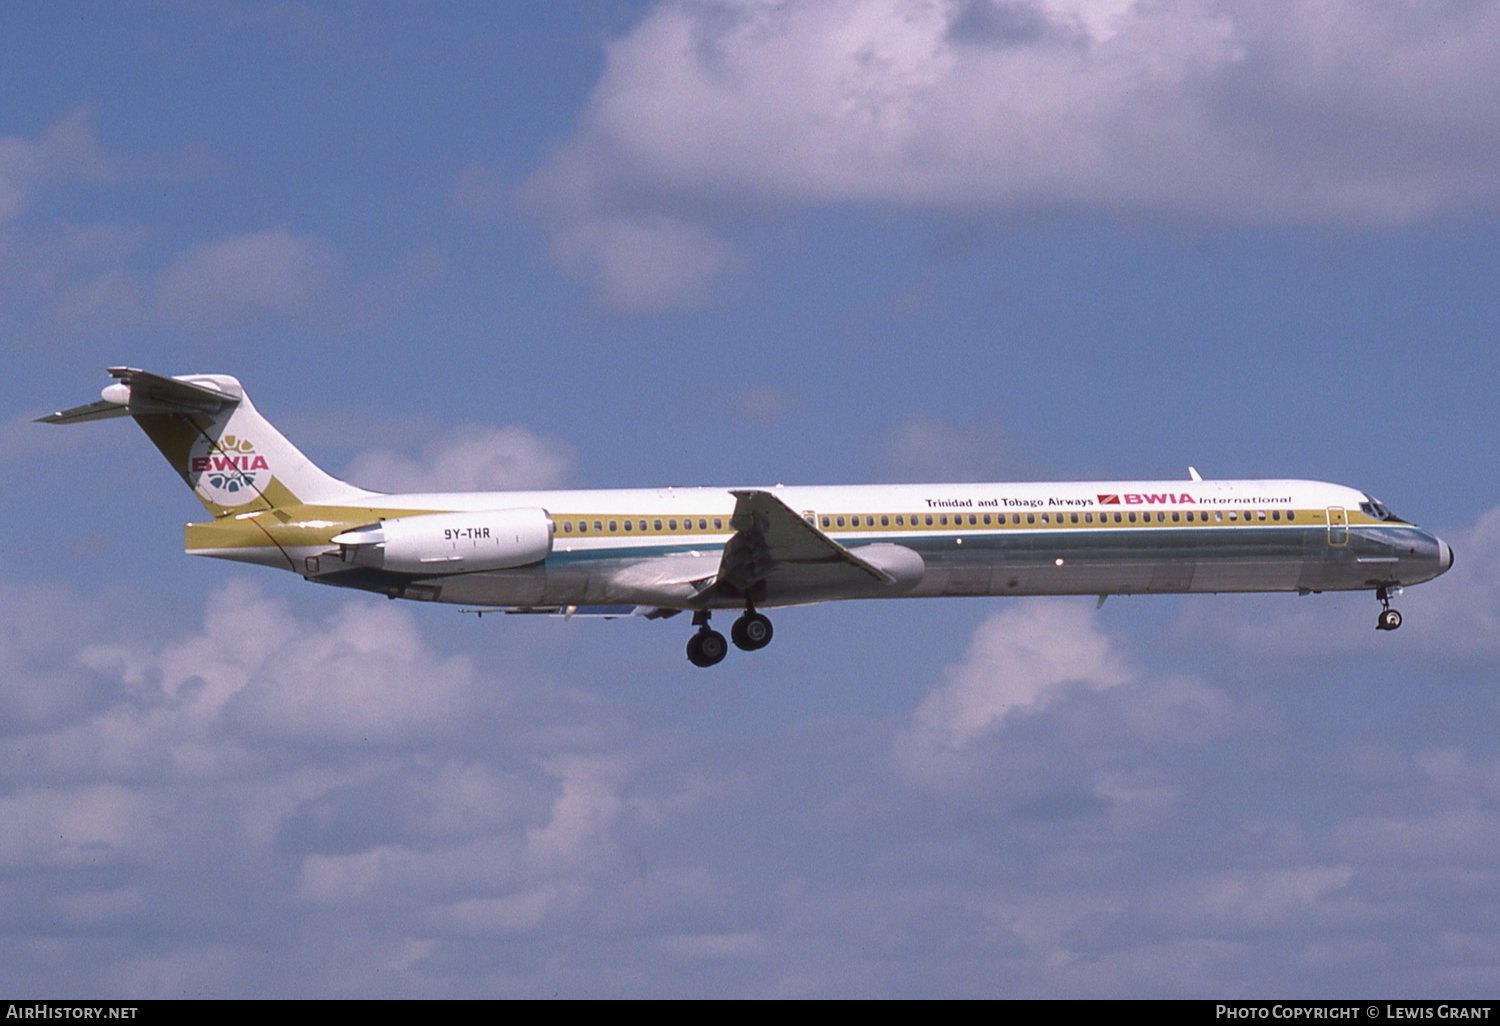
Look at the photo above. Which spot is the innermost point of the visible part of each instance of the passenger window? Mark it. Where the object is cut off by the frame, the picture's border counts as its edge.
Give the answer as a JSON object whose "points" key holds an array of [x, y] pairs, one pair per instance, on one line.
{"points": [[1088, 518], [1175, 517], [703, 524], [1219, 515], [840, 521], [598, 526], [929, 520], [1132, 518], [1290, 515], [1275, 514], [1260, 514], [943, 520], [628, 525], [656, 525], [986, 520], [671, 525], [1046, 518], [718, 524], [1073, 518], [613, 527], [885, 521], [1031, 518], [826, 521]]}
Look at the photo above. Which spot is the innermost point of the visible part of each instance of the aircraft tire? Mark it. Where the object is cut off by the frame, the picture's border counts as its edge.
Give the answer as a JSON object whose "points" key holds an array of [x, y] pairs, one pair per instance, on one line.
{"points": [[751, 632], [1390, 619], [707, 648]]}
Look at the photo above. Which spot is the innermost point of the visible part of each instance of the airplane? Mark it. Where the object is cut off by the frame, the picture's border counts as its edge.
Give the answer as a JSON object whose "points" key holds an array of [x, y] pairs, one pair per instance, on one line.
{"points": [[658, 552]]}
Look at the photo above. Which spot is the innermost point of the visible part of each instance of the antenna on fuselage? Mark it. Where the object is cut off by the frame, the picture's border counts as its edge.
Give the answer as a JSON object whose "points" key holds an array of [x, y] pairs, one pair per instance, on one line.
{"points": [[1193, 473]]}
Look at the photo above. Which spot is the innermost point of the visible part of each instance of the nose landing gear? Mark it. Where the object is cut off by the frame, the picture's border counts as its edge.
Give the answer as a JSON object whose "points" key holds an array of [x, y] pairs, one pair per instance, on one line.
{"points": [[1389, 618]]}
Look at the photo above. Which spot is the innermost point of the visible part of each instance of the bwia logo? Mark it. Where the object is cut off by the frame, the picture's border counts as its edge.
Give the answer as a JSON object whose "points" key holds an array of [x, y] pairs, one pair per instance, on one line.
{"points": [[1148, 499], [228, 471]]}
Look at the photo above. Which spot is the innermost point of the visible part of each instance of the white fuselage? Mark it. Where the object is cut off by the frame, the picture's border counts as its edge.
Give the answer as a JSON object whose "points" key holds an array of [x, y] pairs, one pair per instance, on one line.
{"points": [[656, 547]]}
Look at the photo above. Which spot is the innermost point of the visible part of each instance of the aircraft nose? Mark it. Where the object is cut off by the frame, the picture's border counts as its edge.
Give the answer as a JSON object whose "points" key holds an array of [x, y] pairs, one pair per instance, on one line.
{"points": [[1445, 556]]}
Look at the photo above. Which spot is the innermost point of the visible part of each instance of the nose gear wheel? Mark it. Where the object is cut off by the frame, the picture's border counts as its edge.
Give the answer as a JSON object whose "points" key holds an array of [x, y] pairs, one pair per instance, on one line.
{"points": [[1389, 618]]}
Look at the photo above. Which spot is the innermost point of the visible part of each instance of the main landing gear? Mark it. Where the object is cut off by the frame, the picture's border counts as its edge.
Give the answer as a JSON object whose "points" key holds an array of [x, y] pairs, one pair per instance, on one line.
{"points": [[1390, 618], [751, 631], [707, 646]]}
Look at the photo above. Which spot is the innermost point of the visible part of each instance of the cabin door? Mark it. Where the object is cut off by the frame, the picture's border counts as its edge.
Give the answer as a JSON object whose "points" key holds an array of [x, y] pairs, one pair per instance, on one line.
{"points": [[1338, 526]]}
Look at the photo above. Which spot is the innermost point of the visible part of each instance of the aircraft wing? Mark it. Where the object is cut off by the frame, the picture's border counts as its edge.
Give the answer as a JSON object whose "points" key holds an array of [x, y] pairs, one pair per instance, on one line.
{"points": [[773, 549]]}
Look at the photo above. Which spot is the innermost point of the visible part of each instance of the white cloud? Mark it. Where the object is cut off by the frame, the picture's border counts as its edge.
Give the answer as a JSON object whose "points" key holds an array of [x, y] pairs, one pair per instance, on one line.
{"points": [[64, 282], [1100, 825], [1299, 111], [644, 264], [364, 676], [60, 280], [232, 280], [583, 812], [1020, 660], [469, 458], [923, 448], [68, 149], [73, 827]]}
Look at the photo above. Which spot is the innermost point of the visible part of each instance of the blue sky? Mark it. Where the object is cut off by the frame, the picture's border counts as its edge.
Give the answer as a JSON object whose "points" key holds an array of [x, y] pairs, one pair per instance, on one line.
{"points": [[615, 244]]}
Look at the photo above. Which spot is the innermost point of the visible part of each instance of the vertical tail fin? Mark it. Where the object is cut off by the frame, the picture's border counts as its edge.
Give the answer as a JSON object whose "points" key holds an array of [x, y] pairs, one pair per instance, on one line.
{"points": [[207, 428]]}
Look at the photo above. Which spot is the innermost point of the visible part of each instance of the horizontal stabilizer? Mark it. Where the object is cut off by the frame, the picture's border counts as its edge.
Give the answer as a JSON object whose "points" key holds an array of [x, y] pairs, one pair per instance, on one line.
{"points": [[137, 393], [154, 393], [101, 410]]}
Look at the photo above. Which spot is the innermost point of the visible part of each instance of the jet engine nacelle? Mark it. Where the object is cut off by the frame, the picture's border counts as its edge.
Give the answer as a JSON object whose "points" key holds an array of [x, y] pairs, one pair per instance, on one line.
{"points": [[437, 543]]}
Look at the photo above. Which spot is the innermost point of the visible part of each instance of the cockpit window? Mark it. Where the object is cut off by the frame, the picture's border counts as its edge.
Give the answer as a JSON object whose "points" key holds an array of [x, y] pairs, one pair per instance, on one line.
{"points": [[1373, 507]]}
